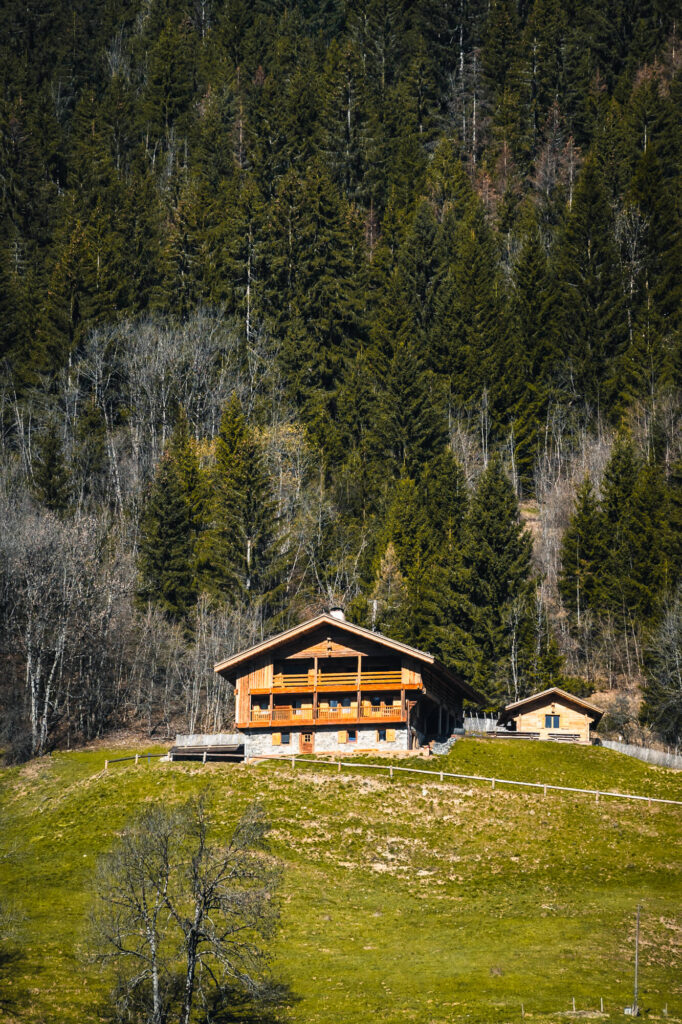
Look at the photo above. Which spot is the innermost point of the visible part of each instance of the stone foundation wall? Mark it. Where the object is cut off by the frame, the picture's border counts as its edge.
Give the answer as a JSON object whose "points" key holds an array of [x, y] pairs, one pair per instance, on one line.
{"points": [[326, 740]]}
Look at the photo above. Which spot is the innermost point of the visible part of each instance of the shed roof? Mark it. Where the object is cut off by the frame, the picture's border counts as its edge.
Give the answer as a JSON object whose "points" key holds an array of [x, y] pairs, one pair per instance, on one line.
{"points": [[325, 619], [547, 696]]}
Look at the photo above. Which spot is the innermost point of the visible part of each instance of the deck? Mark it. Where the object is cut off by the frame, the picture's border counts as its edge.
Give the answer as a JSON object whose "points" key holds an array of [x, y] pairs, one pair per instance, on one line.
{"points": [[307, 682], [289, 715]]}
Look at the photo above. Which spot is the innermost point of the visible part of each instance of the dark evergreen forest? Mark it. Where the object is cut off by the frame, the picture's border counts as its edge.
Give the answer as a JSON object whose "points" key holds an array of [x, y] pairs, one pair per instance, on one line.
{"points": [[374, 302]]}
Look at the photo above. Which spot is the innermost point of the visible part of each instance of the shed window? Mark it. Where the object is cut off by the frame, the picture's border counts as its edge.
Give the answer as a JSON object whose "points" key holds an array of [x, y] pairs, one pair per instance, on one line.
{"points": [[286, 737], [381, 735], [551, 721], [352, 735]]}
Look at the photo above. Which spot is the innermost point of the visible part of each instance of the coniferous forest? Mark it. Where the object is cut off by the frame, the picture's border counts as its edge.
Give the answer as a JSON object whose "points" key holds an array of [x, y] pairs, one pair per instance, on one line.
{"points": [[371, 302]]}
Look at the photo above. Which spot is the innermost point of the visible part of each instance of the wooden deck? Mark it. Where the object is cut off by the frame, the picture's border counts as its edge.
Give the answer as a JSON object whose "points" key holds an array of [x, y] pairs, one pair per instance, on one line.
{"points": [[297, 716], [308, 681]]}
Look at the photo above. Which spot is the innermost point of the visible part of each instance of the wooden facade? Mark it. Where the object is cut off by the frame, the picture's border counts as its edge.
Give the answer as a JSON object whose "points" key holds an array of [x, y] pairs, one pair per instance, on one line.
{"points": [[552, 715], [328, 684]]}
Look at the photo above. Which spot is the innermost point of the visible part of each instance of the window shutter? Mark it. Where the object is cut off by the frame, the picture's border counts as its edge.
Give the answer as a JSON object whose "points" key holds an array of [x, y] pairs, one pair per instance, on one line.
{"points": [[390, 735], [376, 736], [276, 739], [343, 736]]}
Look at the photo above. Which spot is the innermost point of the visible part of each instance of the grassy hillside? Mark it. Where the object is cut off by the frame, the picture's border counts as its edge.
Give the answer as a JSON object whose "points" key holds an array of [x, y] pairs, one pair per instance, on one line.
{"points": [[403, 900]]}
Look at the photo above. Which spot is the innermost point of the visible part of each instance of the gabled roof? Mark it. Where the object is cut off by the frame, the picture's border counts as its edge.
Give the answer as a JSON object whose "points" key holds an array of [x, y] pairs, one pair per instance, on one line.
{"points": [[553, 692], [325, 619]]}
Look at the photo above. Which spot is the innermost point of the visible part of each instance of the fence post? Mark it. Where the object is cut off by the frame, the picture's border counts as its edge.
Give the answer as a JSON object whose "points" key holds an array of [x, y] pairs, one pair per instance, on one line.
{"points": [[596, 797], [293, 762], [390, 771], [441, 776], [204, 758], [106, 765], [339, 766], [544, 790], [493, 783], [137, 758]]}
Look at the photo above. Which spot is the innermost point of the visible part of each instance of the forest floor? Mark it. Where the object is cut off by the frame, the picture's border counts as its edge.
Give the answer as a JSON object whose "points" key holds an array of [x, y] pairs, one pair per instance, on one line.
{"points": [[402, 900]]}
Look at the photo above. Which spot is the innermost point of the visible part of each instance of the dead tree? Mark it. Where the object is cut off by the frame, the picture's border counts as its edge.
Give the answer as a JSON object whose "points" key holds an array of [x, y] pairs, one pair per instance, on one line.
{"points": [[182, 913]]}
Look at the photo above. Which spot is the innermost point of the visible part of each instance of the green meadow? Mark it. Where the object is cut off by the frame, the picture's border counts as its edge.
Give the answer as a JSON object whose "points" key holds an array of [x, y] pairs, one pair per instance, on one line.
{"points": [[403, 899]]}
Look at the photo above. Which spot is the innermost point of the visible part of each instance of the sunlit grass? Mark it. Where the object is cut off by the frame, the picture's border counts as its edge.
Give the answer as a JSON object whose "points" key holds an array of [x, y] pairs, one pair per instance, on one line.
{"points": [[403, 899]]}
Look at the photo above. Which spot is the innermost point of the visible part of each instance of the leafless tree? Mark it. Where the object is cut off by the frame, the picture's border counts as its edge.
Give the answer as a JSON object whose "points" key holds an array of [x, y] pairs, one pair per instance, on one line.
{"points": [[182, 911]]}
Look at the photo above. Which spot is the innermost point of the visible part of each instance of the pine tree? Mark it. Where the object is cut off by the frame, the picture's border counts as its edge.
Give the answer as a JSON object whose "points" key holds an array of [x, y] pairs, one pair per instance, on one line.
{"points": [[531, 359], [497, 555], [51, 476], [582, 554], [591, 317], [410, 424], [237, 548], [166, 557]]}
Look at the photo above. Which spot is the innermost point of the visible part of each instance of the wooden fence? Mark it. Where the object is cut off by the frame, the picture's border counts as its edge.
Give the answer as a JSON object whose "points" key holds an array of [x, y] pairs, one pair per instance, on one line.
{"points": [[441, 776]]}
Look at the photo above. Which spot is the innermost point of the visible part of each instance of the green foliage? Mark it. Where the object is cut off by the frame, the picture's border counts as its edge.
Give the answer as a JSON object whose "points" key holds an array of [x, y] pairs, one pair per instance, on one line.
{"points": [[168, 532], [51, 476], [582, 553], [497, 554], [237, 546]]}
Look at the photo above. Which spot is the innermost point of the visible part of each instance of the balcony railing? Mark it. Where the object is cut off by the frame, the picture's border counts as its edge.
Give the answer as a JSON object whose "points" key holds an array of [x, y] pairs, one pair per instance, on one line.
{"points": [[326, 680], [285, 713]]}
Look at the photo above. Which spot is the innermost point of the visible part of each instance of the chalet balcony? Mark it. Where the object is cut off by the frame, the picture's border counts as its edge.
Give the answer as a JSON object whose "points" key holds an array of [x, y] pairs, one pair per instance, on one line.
{"points": [[292, 715], [308, 681]]}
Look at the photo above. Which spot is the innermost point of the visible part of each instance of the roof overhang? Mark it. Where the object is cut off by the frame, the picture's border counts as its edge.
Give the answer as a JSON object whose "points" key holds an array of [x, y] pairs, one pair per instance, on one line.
{"points": [[263, 648]]}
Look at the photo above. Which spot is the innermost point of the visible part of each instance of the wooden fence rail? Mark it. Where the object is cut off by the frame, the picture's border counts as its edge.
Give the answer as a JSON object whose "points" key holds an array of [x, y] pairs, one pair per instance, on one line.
{"points": [[440, 775]]}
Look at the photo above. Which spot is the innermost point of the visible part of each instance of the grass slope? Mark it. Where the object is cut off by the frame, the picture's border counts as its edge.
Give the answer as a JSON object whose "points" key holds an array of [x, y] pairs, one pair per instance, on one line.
{"points": [[403, 900]]}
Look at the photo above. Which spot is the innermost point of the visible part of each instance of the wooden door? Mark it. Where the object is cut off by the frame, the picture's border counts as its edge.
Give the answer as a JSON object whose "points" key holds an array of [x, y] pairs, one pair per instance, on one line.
{"points": [[306, 742]]}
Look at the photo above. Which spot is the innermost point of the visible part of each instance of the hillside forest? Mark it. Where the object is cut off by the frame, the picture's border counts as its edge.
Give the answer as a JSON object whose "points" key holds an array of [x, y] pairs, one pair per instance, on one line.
{"points": [[361, 302]]}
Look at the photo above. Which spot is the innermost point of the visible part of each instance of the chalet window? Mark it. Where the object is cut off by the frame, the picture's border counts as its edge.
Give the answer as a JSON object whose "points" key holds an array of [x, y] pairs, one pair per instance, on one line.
{"points": [[286, 737], [381, 735], [345, 702], [551, 721], [376, 702], [333, 703], [352, 735]]}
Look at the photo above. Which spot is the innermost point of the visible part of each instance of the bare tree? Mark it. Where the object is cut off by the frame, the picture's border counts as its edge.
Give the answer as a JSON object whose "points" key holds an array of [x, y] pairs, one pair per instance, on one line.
{"points": [[182, 913]]}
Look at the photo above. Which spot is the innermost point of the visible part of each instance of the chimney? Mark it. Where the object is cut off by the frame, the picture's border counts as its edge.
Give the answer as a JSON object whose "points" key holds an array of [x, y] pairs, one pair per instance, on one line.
{"points": [[338, 613]]}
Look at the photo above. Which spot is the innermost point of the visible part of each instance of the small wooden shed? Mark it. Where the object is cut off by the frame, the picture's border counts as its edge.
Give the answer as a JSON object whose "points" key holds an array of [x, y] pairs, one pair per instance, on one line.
{"points": [[551, 715]]}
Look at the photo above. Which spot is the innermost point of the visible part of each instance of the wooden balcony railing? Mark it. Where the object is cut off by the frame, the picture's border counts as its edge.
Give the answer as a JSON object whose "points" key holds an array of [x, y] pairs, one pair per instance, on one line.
{"points": [[327, 680], [285, 713]]}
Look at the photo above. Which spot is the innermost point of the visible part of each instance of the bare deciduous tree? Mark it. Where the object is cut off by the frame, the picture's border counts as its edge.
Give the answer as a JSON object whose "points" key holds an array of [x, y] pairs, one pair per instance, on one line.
{"points": [[182, 914]]}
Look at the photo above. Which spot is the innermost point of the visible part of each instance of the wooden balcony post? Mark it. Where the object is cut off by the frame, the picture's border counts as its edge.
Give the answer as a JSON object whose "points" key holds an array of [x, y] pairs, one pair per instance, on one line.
{"points": [[271, 703], [359, 685]]}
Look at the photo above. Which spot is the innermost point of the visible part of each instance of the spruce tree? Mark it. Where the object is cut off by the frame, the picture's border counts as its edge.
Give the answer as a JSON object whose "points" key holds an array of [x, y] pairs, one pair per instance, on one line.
{"points": [[237, 548], [590, 325], [51, 476], [497, 555], [166, 557], [582, 554]]}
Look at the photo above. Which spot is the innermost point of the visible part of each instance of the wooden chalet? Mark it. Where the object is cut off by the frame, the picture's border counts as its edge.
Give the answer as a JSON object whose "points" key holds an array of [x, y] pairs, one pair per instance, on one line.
{"points": [[552, 715], [329, 685]]}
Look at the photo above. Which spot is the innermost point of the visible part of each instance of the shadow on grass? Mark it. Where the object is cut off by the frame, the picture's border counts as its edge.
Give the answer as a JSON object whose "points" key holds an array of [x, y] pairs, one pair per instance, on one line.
{"points": [[12, 999], [234, 1007]]}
